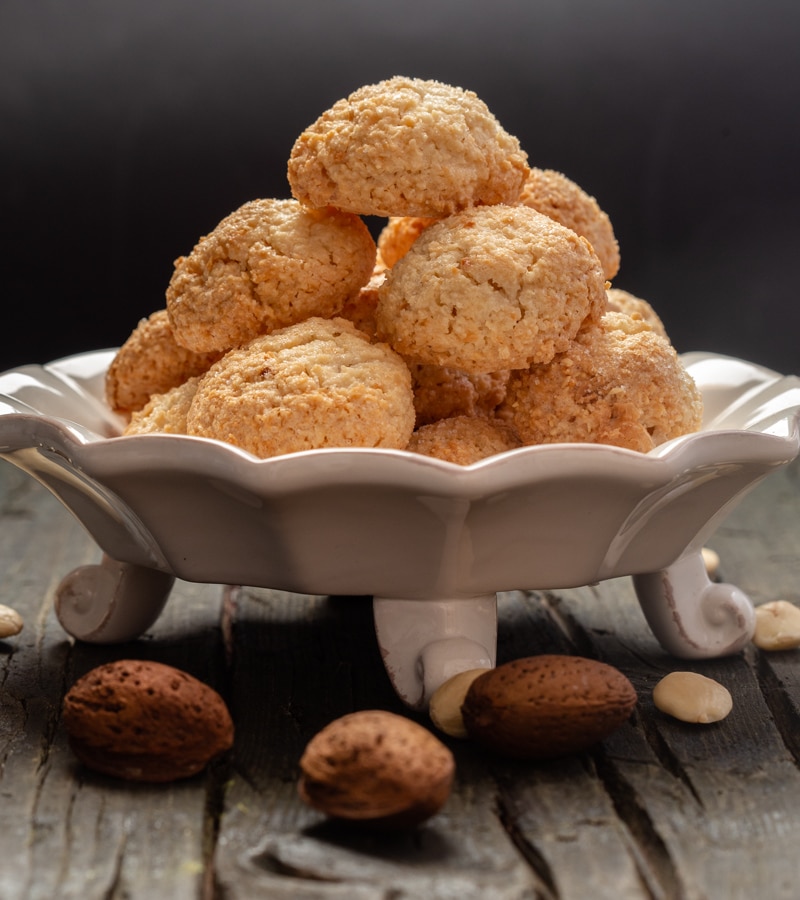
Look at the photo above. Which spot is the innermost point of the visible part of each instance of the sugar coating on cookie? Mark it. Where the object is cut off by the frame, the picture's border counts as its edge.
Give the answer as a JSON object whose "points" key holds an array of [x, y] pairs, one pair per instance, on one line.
{"points": [[463, 439], [618, 383], [636, 308], [165, 413], [406, 147], [319, 383], [442, 392], [150, 362], [492, 288], [560, 198], [269, 264]]}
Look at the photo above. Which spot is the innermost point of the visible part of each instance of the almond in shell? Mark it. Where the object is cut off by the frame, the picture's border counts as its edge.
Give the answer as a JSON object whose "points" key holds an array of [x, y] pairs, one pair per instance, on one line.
{"points": [[145, 721], [542, 707], [376, 767]]}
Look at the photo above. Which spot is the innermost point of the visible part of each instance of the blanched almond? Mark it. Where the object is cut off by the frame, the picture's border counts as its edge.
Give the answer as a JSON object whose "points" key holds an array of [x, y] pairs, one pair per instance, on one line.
{"points": [[692, 697]]}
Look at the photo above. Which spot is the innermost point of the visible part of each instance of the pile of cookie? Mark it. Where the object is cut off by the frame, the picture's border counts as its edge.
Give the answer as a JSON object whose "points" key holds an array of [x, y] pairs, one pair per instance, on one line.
{"points": [[482, 319]]}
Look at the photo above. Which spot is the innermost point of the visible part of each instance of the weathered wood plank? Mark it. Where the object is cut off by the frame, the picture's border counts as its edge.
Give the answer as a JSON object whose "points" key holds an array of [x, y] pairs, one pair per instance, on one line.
{"points": [[69, 832], [661, 809], [712, 797], [298, 663]]}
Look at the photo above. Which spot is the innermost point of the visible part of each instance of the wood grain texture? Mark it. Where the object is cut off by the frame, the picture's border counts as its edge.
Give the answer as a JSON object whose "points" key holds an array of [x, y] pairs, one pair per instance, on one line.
{"points": [[661, 809]]}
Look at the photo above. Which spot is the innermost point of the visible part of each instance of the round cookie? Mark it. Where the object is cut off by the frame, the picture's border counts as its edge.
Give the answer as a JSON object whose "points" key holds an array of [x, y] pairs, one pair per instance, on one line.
{"points": [[618, 383], [150, 362], [165, 413], [442, 392], [555, 195], [397, 236], [406, 147], [463, 439], [267, 265], [319, 383], [636, 308], [492, 288]]}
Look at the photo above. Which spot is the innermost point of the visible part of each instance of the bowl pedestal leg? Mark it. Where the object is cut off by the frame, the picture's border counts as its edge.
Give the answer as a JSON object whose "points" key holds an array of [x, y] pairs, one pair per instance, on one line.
{"points": [[111, 602], [425, 642], [691, 616]]}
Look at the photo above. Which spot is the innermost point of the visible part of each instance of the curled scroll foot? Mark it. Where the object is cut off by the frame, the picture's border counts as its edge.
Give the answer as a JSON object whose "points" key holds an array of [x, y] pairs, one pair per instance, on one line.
{"points": [[691, 616], [425, 642], [111, 602]]}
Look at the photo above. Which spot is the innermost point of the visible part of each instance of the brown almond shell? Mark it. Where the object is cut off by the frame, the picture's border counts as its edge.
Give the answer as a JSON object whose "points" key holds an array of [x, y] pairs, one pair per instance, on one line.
{"points": [[547, 706]]}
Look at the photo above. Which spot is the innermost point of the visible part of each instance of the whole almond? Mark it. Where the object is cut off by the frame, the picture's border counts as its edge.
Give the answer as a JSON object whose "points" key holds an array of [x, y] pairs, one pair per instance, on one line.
{"points": [[777, 626], [542, 707], [446, 702], [145, 721], [692, 697], [10, 621], [376, 767]]}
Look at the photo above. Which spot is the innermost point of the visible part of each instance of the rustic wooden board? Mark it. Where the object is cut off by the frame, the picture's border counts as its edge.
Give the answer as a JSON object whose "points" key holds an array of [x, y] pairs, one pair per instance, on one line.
{"points": [[71, 833], [660, 810]]}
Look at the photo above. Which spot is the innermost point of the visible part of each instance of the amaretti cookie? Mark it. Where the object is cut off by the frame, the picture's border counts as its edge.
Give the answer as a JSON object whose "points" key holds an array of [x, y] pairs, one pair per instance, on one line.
{"points": [[442, 392], [360, 308], [463, 439], [491, 288], [552, 193], [269, 264], [319, 383], [150, 362], [636, 308], [618, 383], [398, 234], [165, 413], [406, 147]]}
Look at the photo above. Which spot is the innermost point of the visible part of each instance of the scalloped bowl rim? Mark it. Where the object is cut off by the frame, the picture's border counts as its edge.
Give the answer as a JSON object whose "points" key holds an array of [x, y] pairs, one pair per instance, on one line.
{"points": [[752, 424]]}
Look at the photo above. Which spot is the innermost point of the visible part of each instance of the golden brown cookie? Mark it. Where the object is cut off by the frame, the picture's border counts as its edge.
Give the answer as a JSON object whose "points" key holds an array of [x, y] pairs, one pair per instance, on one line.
{"points": [[319, 383], [360, 308], [619, 383], [636, 308], [406, 147], [555, 195], [463, 439], [150, 362], [268, 264], [442, 392], [492, 288], [398, 234], [164, 413]]}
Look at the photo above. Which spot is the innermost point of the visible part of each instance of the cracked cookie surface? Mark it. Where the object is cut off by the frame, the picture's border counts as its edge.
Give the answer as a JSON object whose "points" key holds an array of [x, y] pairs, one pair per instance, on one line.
{"points": [[269, 264], [552, 193], [319, 383], [406, 147], [150, 362], [618, 383], [488, 289]]}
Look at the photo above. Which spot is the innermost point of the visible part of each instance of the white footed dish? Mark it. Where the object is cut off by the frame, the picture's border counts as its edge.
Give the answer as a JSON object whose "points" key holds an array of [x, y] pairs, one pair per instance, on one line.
{"points": [[430, 541]]}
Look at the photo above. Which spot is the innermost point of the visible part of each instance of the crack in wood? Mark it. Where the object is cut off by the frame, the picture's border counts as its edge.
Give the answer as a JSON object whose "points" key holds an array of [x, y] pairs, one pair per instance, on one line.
{"points": [[217, 780], [667, 758], [654, 863], [547, 889], [783, 711]]}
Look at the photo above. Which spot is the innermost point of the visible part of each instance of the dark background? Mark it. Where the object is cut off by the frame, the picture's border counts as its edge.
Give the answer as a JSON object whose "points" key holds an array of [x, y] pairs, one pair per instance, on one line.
{"points": [[128, 129]]}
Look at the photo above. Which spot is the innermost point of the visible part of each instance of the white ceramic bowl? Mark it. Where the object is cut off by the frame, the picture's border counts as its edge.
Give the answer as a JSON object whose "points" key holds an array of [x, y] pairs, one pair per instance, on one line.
{"points": [[432, 542]]}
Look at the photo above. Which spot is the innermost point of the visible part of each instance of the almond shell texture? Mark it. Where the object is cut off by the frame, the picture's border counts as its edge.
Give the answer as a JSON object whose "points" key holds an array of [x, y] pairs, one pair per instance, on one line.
{"points": [[377, 767], [547, 706], [145, 721]]}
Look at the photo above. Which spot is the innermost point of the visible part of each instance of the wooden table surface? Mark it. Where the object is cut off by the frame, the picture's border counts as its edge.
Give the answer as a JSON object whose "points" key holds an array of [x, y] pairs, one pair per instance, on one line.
{"points": [[660, 810]]}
